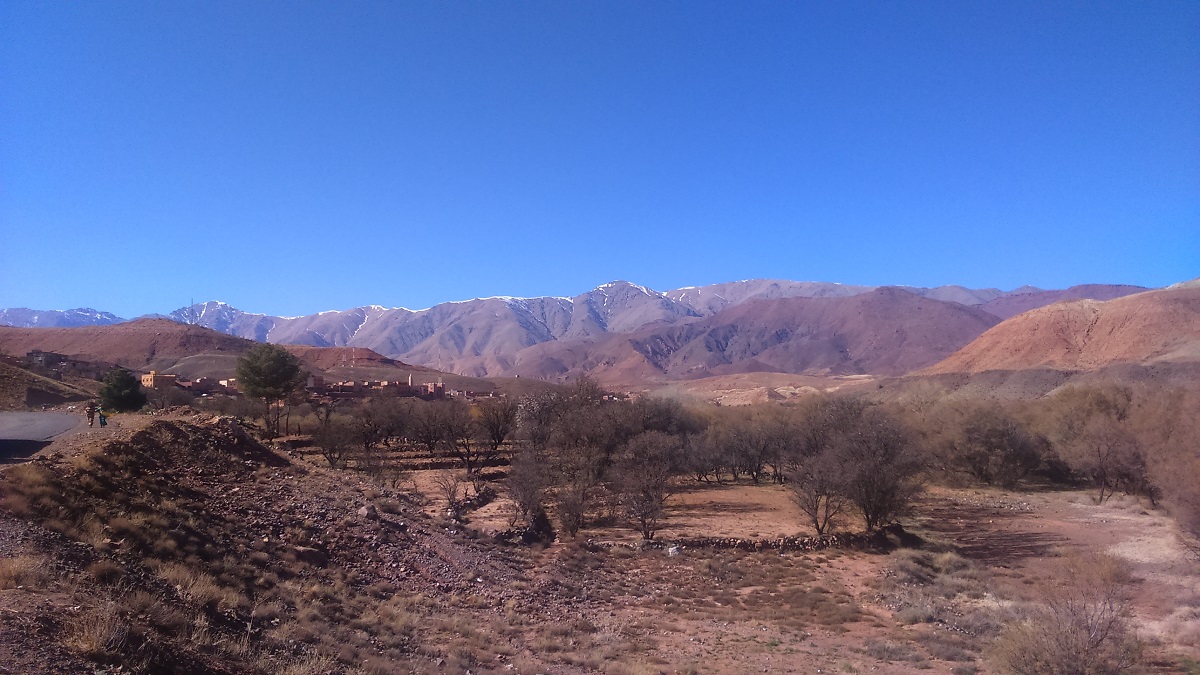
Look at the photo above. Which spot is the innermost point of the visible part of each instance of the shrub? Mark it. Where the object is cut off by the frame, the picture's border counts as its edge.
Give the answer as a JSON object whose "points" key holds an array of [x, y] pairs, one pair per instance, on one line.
{"points": [[1081, 629]]}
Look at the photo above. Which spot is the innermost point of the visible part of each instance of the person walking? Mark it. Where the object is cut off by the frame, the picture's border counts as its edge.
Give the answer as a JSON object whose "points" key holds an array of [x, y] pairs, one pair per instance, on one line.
{"points": [[90, 411], [103, 419]]}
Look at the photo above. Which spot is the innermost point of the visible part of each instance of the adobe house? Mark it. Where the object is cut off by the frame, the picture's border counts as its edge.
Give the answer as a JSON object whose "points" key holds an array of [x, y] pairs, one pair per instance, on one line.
{"points": [[157, 380], [45, 359]]}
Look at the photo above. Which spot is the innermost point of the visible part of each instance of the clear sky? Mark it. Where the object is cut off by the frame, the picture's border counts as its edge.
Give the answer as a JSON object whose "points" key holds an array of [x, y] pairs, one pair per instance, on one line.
{"points": [[292, 157]]}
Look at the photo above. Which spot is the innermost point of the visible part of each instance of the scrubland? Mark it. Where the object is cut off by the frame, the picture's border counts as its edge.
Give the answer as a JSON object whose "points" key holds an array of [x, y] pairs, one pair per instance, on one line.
{"points": [[581, 533]]}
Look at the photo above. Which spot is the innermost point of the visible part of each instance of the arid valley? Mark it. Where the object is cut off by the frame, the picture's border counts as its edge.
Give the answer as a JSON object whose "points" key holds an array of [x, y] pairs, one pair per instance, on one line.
{"points": [[770, 478]]}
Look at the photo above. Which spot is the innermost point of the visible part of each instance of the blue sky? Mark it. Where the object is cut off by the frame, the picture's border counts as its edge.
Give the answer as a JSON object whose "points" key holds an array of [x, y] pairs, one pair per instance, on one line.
{"points": [[292, 157]]}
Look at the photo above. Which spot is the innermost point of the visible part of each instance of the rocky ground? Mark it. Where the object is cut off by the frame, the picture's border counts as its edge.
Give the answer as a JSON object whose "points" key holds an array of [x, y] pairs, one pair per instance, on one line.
{"points": [[179, 543]]}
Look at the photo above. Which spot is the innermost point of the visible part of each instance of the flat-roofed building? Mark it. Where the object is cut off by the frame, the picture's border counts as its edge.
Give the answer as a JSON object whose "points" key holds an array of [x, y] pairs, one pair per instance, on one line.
{"points": [[157, 380]]}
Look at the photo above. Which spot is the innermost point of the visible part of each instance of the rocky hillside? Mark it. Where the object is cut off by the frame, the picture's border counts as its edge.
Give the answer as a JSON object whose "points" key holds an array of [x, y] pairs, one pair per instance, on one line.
{"points": [[218, 555], [888, 331], [1147, 328], [20, 388]]}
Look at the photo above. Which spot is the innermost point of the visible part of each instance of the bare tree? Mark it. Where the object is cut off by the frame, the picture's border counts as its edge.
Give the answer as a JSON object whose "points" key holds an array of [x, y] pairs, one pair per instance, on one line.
{"points": [[450, 486], [817, 485], [537, 415], [747, 443], [527, 483], [496, 423], [323, 409], [812, 446], [368, 427], [994, 448], [459, 439], [1169, 422], [1095, 436], [881, 470], [586, 392], [572, 502], [669, 416], [391, 417], [706, 458], [336, 440], [644, 469], [168, 396], [579, 442], [428, 428]]}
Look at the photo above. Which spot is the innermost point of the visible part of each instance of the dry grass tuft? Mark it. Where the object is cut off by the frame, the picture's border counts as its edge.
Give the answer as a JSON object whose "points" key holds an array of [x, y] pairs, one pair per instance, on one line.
{"points": [[24, 570], [98, 633], [105, 572], [197, 587]]}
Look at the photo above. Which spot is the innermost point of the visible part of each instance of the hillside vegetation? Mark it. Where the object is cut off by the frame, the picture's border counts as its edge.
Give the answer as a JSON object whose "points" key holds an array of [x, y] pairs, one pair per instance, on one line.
{"points": [[606, 535]]}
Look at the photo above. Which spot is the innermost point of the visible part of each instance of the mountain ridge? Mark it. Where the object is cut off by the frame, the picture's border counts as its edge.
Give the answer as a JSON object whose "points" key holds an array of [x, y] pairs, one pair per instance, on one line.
{"points": [[23, 317], [624, 330]]}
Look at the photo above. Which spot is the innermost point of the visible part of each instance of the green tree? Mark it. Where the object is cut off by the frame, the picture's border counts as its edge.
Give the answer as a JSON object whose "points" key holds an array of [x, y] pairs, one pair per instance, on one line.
{"points": [[270, 374], [122, 391]]}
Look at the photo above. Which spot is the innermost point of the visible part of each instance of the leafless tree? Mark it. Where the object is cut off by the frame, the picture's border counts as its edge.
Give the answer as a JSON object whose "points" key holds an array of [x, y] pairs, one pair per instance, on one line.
{"points": [[428, 428], [644, 471], [881, 469], [1095, 436], [496, 423], [527, 483], [537, 415], [459, 439], [168, 397], [450, 487], [994, 448], [745, 444], [392, 417], [817, 484], [572, 502], [336, 441], [323, 409], [579, 443], [706, 457]]}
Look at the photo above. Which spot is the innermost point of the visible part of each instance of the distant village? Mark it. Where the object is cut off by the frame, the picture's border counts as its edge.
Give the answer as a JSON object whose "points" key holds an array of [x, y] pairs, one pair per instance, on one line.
{"points": [[317, 387]]}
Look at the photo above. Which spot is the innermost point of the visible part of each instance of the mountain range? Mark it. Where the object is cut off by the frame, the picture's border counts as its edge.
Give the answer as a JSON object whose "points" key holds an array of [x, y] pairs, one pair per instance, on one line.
{"points": [[623, 332]]}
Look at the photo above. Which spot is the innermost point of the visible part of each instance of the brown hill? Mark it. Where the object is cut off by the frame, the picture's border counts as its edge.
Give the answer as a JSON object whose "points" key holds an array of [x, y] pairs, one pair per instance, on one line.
{"points": [[330, 358], [887, 331], [136, 344], [1151, 327], [20, 389], [1012, 304], [194, 351]]}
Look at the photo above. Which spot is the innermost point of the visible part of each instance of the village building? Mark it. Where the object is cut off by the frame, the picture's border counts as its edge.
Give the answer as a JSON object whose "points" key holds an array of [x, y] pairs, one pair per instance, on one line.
{"points": [[156, 380]]}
